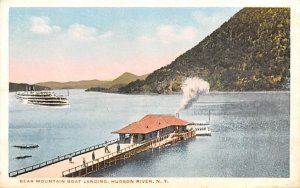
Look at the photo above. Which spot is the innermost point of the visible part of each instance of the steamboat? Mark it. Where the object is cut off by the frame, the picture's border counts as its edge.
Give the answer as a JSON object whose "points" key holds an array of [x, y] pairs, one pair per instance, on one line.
{"points": [[201, 128], [45, 98]]}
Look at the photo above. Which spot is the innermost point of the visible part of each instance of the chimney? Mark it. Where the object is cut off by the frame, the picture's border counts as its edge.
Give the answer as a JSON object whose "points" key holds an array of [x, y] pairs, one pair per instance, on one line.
{"points": [[177, 114]]}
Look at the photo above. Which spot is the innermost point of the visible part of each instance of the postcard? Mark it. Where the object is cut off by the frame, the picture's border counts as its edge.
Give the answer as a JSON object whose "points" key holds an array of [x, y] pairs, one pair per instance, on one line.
{"points": [[154, 94]]}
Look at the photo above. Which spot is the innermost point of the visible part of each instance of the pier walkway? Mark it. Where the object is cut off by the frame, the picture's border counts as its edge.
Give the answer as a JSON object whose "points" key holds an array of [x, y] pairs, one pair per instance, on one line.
{"points": [[61, 167], [55, 170]]}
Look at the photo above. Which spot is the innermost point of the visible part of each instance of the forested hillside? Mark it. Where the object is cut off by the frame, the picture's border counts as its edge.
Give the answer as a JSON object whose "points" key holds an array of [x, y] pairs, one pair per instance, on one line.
{"points": [[249, 52]]}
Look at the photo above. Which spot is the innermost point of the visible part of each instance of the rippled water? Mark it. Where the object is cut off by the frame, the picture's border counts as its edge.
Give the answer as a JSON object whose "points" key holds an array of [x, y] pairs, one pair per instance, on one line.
{"points": [[250, 135]]}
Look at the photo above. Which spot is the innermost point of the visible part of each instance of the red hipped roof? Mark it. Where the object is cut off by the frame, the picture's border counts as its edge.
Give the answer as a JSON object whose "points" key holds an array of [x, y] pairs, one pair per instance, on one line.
{"points": [[151, 123]]}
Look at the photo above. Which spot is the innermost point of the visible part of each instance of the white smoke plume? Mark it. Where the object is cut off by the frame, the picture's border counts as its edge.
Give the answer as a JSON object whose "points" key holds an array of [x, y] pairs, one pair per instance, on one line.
{"points": [[192, 88]]}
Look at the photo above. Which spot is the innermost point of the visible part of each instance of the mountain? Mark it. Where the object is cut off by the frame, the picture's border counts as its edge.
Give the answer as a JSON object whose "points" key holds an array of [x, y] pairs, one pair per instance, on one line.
{"points": [[249, 52], [125, 79], [22, 87], [120, 81], [73, 84]]}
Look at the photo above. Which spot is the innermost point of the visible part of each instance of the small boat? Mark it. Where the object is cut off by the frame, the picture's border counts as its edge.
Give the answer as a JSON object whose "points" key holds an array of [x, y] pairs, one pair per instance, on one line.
{"points": [[45, 97], [26, 146], [202, 128], [23, 157]]}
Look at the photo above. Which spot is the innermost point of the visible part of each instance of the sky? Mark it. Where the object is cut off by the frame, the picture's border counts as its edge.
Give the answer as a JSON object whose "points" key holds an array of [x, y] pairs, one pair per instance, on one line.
{"points": [[71, 44]]}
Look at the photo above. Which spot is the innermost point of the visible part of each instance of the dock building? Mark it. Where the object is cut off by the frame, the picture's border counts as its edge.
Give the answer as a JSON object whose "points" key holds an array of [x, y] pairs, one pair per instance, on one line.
{"points": [[150, 127]]}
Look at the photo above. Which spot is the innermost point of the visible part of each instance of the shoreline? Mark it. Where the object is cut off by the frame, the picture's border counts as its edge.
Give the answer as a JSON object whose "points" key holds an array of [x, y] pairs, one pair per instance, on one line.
{"points": [[180, 93], [173, 93]]}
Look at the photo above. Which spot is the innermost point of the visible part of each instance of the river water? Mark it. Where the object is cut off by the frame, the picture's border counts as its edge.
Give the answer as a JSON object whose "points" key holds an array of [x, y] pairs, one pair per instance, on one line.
{"points": [[250, 133]]}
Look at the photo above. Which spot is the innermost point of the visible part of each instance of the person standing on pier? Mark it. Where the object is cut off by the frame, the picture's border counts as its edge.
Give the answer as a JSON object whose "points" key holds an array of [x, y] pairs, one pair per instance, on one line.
{"points": [[83, 162], [118, 148], [93, 156], [106, 147]]}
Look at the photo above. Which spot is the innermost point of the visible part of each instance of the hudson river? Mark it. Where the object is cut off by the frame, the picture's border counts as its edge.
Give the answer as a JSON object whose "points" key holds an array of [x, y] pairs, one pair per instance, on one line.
{"points": [[250, 133]]}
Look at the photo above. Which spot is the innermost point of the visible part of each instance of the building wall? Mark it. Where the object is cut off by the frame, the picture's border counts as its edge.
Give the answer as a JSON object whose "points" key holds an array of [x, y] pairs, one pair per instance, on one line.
{"points": [[182, 129], [124, 138], [141, 137], [150, 136], [164, 131]]}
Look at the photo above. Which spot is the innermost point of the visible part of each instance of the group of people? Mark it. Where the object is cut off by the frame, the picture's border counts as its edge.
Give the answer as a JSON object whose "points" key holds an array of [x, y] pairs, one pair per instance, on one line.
{"points": [[106, 150]]}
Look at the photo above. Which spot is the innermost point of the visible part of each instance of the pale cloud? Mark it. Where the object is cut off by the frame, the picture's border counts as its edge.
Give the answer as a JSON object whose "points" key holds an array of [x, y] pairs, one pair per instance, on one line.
{"points": [[82, 32], [146, 39], [86, 33], [204, 18], [209, 23], [168, 34], [105, 35], [56, 28], [41, 25]]}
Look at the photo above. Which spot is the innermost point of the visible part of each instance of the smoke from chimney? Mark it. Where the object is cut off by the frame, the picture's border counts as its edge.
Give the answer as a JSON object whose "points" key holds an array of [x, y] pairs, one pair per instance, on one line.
{"points": [[192, 88]]}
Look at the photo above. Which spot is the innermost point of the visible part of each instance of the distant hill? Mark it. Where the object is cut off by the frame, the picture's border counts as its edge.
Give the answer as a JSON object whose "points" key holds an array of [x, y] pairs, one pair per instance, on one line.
{"points": [[249, 52], [120, 81], [13, 87], [125, 79], [73, 84]]}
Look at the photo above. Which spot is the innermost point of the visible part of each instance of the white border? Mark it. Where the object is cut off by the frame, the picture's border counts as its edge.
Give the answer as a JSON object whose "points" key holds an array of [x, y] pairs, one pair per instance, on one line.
{"points": [[293, 181]]}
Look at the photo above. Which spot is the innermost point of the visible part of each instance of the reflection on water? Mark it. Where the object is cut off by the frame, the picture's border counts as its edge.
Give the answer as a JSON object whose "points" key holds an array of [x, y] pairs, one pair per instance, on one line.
{"points": [[250, 135]]}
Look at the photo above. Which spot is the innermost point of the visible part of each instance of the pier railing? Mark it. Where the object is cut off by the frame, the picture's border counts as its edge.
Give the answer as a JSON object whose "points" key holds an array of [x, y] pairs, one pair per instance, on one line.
{"points": [[59, 158], [186, 135], [146, 143], [98, 160]]}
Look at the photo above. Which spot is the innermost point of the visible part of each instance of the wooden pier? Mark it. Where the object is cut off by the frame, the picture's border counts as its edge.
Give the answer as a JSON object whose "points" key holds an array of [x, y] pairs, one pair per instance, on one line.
{"points": [[114, 157], [61, 167]]}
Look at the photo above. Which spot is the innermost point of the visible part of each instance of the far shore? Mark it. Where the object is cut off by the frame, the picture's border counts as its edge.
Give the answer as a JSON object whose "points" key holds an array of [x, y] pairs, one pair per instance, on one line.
{"points": [[178, 93], [172, 93], [211, 92]]}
